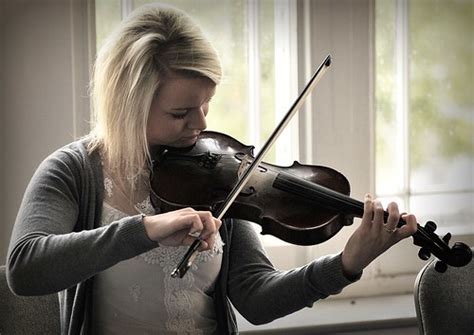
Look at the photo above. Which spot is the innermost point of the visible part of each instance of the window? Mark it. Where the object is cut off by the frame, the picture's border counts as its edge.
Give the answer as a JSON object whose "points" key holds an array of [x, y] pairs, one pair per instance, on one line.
{"points": [[424, 110], [424, 115], [420, 59]]}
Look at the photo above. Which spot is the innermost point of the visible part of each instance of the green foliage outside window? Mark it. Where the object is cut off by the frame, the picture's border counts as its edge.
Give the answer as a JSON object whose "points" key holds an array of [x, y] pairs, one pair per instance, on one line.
{"points": [[433, 171]]}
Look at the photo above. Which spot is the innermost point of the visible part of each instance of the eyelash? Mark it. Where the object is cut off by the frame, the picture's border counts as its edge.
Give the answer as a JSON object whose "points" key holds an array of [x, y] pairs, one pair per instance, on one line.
{"points": [[179, 116], [183, 115]]}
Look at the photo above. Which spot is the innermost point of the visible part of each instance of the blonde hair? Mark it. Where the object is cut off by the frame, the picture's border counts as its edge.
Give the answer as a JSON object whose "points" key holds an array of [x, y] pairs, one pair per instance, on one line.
{"points": [[153, 42]]}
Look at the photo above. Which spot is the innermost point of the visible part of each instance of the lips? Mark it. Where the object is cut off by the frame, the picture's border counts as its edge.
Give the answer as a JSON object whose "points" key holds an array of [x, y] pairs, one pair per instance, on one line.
{"points": [[192, 137]]}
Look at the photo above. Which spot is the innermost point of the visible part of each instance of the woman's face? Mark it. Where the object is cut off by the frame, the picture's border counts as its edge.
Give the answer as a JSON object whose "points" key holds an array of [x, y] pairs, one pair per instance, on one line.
{"points": [[178, 111]]}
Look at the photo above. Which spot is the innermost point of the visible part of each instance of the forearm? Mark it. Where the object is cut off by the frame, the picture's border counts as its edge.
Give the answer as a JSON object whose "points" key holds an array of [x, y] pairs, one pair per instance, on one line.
{"points": [[268, 294], [39, 263]]}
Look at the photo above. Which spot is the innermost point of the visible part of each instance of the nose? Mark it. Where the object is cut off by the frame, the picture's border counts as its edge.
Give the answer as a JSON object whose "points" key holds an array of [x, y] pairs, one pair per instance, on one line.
{"points": [[198, 119]]}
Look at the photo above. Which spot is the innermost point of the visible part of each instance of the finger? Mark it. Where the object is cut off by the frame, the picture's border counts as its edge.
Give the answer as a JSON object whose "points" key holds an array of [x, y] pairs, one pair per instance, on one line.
{"points": [[192, 221], [218, 223], [368, 210], [211, 240], [209, 224], [409, 228], [203, 246], [393, 216], [208, 243], [378, 212], [188, 240]]}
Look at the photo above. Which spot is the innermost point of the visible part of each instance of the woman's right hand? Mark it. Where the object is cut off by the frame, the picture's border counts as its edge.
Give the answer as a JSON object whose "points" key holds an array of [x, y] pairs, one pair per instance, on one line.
{"points": [[181, 227]]}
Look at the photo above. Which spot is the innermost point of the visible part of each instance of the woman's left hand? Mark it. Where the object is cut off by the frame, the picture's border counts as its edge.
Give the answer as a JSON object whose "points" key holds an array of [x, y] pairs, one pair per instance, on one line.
{"points": [[373, 237]]}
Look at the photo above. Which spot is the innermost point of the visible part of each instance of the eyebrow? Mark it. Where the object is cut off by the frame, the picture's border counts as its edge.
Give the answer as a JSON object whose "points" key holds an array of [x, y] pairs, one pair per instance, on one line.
{"points": [[181, 108]]}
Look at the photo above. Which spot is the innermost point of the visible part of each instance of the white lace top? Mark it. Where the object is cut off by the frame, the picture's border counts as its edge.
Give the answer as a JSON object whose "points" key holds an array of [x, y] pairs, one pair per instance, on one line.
{"points": [[139, 296]]}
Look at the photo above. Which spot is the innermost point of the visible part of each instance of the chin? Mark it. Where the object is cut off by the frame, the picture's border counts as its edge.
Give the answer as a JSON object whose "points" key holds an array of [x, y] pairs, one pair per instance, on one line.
{"points": [[186, 142]]}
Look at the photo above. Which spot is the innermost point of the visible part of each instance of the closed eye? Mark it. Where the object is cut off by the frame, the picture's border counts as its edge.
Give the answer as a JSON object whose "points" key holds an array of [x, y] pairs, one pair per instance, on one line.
{"points": [[180, 115]]}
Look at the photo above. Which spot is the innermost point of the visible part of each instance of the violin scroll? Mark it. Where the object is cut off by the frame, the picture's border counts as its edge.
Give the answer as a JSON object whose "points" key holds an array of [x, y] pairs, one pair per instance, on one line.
{"points": [[458, 255]]}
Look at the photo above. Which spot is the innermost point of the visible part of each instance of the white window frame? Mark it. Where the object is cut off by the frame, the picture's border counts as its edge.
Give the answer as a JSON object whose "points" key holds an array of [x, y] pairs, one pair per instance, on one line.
{"points": [[286, 70]]}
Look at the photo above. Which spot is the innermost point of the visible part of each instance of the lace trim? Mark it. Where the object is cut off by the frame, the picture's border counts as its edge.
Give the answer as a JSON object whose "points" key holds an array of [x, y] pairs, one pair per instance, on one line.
{"points": [[136, 292], [145, 207], [177, 294], [166, 255], [108, 185]]}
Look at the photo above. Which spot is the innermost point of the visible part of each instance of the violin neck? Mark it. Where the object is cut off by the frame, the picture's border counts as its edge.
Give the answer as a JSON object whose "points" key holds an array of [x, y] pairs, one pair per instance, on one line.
{"points": [[323, 196]]}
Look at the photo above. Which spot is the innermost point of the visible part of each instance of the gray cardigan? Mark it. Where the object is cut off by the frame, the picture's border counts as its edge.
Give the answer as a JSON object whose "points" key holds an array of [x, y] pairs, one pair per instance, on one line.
{"points": [[56, 247]]}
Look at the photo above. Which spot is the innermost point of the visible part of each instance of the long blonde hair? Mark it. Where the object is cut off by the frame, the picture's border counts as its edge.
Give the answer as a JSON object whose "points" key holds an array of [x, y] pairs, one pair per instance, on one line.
{"points": [[151, 43]]}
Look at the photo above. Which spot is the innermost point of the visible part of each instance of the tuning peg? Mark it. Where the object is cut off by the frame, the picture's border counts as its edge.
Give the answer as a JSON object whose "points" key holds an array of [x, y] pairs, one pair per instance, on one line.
{"points": [[430, 226], [446, 238], [424, 254], [441, 267]]}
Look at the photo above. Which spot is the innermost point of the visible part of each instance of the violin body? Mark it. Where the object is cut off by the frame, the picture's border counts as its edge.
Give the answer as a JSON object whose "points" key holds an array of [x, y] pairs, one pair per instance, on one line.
{"points": [[212, 166]]}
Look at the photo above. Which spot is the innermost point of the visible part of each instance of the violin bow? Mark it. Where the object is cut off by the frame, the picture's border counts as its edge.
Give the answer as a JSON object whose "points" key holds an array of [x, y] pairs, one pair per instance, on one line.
{"points": [[191, 253]]}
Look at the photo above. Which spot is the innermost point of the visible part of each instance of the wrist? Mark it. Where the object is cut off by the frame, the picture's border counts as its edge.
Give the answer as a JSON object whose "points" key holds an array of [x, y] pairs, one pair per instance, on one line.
{"points": [[147, 225], [349, 270]]}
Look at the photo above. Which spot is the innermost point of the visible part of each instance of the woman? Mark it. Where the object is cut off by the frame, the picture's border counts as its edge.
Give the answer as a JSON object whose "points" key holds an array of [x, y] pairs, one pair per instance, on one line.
{"points": [[87, 230]]}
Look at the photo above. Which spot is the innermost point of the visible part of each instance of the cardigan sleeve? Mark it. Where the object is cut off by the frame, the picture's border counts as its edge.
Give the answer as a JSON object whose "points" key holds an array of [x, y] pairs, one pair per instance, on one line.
{"points": [[262, 293], [54, 244]]}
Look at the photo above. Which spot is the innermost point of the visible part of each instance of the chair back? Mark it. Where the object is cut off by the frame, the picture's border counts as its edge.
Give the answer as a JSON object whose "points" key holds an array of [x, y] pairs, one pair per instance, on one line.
{"points": [[444, 302]]}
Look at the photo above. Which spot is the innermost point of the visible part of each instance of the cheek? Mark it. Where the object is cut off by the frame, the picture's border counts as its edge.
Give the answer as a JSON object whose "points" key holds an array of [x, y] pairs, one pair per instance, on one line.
{"points": [[163, 132], [150, 125], [155, 128]]}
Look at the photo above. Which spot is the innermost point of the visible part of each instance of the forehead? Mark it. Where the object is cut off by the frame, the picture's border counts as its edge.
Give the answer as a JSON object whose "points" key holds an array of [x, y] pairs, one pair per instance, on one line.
{"points": [[185, 90]]}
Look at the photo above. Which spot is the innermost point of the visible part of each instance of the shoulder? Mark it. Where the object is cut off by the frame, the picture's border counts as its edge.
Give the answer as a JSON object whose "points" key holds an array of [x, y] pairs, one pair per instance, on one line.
{"points": [[71, 165], [76, 150], [74, 155]]}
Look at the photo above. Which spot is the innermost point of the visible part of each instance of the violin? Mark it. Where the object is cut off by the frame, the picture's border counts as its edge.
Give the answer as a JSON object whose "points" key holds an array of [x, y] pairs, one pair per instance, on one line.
{"points": [[300, 204]]}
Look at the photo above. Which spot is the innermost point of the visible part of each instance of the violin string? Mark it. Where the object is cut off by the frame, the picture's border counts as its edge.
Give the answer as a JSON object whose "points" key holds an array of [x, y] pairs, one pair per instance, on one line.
{"points": [[311, 189]]}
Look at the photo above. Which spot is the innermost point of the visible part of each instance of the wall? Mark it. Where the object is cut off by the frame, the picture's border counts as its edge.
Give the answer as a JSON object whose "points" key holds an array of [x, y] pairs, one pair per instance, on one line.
{"points": [[44, 65], [3, 191]]}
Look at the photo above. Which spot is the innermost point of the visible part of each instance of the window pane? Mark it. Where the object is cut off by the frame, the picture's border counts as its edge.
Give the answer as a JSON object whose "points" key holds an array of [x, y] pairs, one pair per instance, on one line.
{"points": [[267, 72], [451, 212], [389, 172], [441, 95], [427, 159], [107, 17]]}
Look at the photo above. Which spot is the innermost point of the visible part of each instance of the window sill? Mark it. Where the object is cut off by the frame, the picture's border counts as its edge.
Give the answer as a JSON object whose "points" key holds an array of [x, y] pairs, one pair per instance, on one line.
{"points": [[338, 315]]}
